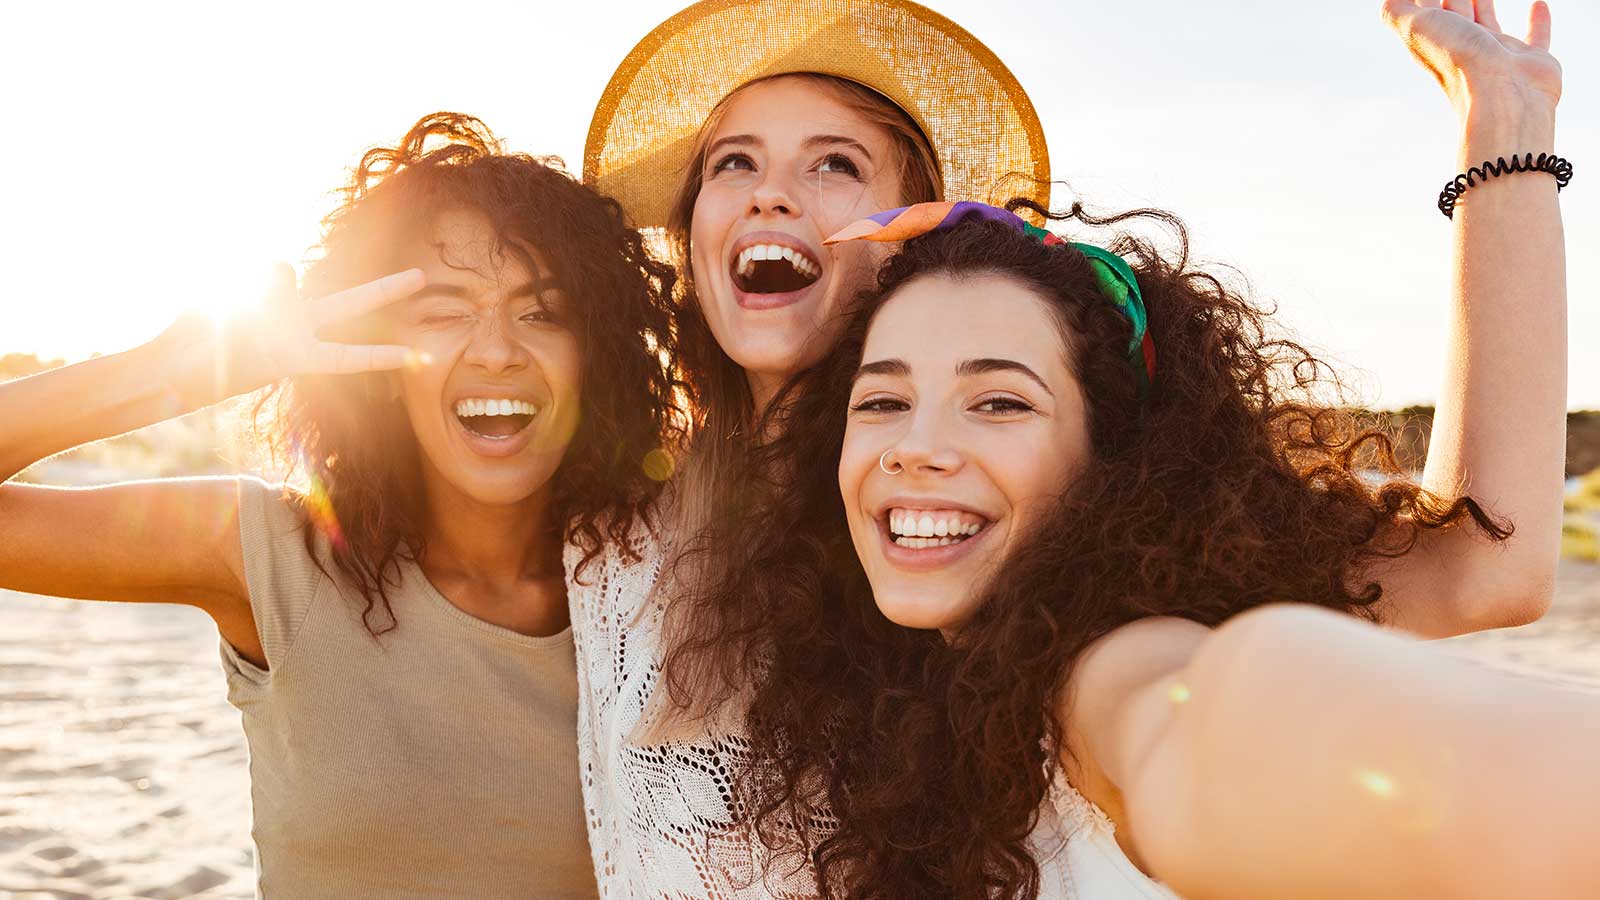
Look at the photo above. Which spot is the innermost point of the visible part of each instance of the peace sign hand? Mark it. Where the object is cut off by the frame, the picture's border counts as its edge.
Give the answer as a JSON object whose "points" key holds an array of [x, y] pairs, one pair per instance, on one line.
{"points": [[285, 338], [1461, 43]]}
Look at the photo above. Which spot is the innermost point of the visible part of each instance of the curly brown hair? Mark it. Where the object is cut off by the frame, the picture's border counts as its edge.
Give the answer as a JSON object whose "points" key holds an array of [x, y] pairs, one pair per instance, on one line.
{"points": [[1231, 484], [358, 449]]}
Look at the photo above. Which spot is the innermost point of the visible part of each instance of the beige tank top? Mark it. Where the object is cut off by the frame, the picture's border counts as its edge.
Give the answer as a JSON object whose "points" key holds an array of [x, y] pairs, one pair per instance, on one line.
{"points": [[436, 760]]}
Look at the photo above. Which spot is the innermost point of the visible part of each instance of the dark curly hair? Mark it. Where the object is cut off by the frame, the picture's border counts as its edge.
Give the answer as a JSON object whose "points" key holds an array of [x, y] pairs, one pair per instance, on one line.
{"points": [[1231, 484], [361, 455]]}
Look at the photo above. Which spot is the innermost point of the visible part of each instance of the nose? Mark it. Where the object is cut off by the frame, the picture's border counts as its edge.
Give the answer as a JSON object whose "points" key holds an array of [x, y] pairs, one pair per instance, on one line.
{"points": [[492, 348], [928, 446], [774, 195]]}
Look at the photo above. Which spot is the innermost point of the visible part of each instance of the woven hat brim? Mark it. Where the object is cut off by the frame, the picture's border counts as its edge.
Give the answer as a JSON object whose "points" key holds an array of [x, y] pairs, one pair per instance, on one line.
{"points": [[983, 128]]}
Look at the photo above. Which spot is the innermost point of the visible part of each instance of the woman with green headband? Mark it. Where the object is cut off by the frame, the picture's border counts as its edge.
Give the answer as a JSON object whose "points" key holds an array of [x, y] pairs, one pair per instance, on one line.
{"points": [[980, 597], [1012, 565]]}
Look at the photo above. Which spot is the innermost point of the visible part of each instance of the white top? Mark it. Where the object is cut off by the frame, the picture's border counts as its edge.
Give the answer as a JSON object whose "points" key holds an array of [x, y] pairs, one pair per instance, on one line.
{"points": [[661, 824], [1078, 854]]}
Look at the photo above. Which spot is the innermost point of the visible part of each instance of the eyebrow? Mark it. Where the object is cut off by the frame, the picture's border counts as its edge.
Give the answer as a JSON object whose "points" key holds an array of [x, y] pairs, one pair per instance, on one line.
{"points": [[737, 140], [829, 140], [892, 367], [820, 140], [989, 364], [897, 368]]}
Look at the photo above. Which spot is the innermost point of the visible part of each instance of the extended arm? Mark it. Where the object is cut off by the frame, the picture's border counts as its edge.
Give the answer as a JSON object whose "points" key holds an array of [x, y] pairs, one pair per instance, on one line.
{"points": [[1296, 752], [177, 540], [1499, 432]]}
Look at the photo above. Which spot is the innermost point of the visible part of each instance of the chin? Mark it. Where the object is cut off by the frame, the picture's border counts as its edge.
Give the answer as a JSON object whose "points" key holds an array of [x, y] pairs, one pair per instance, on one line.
{"points": [[502, 488], [910, 609]]}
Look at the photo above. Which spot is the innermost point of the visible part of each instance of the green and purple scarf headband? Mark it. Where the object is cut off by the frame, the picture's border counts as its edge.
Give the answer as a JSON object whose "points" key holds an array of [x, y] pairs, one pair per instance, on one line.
{"points": [[1112, 273]]}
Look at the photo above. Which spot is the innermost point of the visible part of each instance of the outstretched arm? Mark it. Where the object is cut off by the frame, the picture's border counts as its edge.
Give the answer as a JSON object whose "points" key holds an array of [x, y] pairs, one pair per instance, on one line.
{"points": [[173, 541], [1295, 752], [1499, 430]]}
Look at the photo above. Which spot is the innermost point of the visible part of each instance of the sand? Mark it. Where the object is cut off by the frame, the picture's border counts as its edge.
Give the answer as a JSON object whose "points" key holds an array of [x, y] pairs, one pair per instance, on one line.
{"points": [[123, 769]]}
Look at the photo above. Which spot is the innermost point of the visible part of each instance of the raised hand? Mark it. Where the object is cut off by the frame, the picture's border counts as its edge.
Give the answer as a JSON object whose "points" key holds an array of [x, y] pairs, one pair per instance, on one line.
{"points": [[1461, 43], [287, 336]]}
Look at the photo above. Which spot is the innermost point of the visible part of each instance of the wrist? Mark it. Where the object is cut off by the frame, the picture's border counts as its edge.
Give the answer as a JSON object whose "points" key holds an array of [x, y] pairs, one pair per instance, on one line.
{"points": [[1500, 124], [184, 374]]}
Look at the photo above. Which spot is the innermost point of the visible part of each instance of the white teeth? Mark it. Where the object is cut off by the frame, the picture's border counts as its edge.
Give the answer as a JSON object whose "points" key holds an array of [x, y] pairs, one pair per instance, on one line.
{"points": [[918, 529], [495, 407], [762, 252]]}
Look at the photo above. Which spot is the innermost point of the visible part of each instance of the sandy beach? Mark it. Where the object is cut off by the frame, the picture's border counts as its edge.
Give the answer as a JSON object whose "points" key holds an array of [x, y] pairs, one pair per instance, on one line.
{"points": [[123, 769]]}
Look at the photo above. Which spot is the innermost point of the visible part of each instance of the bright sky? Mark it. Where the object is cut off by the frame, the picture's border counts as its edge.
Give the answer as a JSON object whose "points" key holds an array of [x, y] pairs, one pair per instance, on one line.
{"points": [[161, 155]]}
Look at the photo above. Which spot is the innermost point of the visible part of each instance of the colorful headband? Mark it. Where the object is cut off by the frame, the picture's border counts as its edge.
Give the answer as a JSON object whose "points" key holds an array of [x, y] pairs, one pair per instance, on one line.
{"points": [[1112, 273]]}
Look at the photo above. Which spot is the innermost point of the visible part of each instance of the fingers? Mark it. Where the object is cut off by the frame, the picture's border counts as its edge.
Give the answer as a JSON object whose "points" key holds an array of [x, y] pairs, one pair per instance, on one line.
{"points": [[1459, 7], [362, 299], [348, 359], [1486, 16], [1395, 10], [1539, 25]]}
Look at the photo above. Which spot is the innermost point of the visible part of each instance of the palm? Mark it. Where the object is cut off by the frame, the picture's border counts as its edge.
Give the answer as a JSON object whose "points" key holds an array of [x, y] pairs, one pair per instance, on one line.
{"points": [[285, 339], [1460, 41]]}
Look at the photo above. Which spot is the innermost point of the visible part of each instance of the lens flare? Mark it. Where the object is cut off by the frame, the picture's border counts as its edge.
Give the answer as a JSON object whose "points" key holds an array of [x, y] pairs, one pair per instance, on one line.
{"points": [[1376, 783], [658, 465]]}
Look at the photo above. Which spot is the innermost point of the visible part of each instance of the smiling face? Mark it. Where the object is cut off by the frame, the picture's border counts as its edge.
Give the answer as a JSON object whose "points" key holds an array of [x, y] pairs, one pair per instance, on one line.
{"points": [[787, 164], [967, 383], [496, 406]]}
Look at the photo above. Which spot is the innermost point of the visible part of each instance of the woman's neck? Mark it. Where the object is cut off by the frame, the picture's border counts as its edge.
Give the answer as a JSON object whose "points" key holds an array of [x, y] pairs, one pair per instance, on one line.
{"points": [[501, 544]]}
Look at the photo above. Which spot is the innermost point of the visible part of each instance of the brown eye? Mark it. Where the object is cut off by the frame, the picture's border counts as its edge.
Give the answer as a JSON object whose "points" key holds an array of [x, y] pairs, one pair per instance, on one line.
{"points": [[839, 164], [1001, 406], [880, 405], [732, 162]]}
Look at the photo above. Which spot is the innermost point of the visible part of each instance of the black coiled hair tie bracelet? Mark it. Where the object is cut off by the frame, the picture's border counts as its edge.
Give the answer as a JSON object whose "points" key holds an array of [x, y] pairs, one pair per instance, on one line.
{"points": [[1545, 162]]}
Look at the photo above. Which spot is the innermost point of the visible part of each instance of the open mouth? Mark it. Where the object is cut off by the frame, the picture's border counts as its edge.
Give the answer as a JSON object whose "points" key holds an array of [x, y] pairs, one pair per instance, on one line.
{"points": [[496, 419], [921, 529], [774, 269]]}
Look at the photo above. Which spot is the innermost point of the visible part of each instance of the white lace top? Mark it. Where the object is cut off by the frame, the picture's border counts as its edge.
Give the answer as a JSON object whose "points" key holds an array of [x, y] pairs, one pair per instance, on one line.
{"points": [[1079, 858], [661, 817]]}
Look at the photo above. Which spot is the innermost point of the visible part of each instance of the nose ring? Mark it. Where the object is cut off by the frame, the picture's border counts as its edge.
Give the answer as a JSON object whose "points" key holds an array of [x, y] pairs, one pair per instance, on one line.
{"points": [[883, 463]]}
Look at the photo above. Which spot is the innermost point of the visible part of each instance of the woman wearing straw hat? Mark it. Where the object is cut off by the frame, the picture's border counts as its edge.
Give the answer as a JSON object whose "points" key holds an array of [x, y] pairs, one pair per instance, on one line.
{"points": [[750, 131]]}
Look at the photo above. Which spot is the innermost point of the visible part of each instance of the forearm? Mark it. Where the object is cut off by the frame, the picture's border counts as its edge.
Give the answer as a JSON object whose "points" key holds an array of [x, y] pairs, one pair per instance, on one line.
{"points": [[57, 410], [1315, 756], [1499, 430]]}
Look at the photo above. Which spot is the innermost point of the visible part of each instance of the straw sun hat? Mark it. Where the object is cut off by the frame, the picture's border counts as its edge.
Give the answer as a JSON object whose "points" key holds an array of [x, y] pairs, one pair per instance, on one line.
{"points": [[980, 122]]}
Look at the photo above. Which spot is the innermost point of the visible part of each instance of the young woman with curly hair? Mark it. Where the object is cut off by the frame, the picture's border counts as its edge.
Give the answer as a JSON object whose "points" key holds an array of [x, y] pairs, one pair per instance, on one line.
{"points": [[999, 637], [755, 156], [396, 637]]}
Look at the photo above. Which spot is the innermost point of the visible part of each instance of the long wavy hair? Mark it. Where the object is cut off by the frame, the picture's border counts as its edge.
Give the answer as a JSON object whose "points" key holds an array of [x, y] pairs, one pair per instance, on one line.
{"points": [[723, 410], [352, 439], [1233, 483]]}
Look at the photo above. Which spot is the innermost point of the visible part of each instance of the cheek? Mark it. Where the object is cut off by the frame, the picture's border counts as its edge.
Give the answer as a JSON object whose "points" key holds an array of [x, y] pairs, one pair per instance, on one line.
{"points": [[856, 460], [707, 230], [422, 395], [1033, 472], [563, 366], [855, 267]]}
